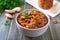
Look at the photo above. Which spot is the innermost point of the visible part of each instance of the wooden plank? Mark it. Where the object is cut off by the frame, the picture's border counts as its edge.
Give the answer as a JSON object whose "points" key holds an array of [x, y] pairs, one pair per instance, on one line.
{"points": [[55, 28], [3, 29]]}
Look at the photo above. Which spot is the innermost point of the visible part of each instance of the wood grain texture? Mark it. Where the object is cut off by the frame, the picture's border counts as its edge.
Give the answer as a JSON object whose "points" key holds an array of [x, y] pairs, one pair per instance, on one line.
{"points": [[55, 28], [3, 29], [12, 33]]}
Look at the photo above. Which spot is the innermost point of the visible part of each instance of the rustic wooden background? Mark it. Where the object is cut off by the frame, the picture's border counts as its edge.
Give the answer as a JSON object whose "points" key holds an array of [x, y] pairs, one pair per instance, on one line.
{"points": [[12, 33]]}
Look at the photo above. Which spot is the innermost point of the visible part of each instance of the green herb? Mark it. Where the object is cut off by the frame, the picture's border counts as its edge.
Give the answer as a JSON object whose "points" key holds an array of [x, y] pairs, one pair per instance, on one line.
{"points": [[7, 23], [10, 4], [26, 13]]}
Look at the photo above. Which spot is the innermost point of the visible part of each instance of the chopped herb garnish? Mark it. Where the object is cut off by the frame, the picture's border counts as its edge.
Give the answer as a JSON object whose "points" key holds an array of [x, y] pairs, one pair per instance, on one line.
{"points": [[26, 13], [7, 23]]}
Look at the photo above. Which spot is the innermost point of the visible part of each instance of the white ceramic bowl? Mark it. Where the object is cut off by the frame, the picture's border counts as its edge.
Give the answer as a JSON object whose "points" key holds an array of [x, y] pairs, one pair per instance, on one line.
{"points": [[33, 32]]}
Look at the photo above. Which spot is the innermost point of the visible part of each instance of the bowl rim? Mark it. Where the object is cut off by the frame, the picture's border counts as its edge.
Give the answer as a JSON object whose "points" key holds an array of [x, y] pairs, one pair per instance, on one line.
{"points": [[28, 28]]}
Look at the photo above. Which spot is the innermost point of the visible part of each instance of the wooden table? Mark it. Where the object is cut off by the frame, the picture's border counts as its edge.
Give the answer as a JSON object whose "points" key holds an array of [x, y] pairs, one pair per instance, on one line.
{"points": [[12, 33]]}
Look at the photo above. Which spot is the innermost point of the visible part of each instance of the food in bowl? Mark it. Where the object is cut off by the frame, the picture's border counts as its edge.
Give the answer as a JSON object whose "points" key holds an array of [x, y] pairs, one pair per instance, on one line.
{"points": [[45, 4], [32, 23], [32, 19]]}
